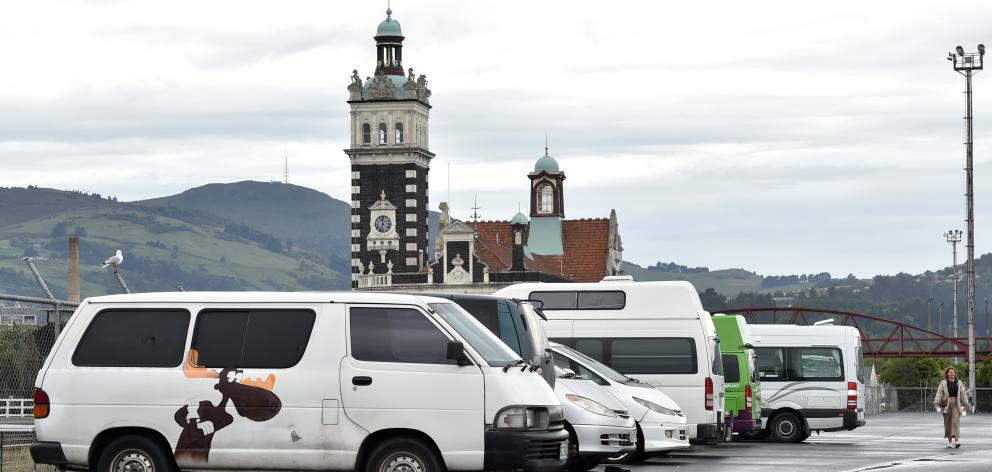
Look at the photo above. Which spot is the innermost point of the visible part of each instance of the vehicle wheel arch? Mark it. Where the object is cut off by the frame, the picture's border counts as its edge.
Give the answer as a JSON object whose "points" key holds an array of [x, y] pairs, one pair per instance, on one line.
{"points": [[376, 438], [779, 411], [105, 437]]}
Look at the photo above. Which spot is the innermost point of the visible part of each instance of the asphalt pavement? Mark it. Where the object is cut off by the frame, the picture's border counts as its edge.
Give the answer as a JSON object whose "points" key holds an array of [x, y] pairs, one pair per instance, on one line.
{"points": [[889, 442]]}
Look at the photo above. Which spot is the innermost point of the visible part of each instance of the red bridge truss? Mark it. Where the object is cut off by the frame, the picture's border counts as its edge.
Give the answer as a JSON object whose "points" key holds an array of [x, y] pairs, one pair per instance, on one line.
{"points": [[880, 337]]}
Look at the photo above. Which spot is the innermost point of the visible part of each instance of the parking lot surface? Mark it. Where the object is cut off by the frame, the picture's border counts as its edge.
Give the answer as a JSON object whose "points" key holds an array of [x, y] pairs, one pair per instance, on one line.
{"points": [[890, 442]]}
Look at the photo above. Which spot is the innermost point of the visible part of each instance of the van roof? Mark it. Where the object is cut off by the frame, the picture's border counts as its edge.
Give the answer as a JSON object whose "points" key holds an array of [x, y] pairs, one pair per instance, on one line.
{"points": [[259, 297]]}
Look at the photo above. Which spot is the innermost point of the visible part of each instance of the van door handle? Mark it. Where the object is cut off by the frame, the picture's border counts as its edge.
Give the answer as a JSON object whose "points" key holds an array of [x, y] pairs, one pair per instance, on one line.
{"points": [[361, 380]]}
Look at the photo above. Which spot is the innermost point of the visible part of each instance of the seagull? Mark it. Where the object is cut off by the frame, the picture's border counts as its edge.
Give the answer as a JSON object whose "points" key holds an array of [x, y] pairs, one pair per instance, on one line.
{"points": [[114, 260]]}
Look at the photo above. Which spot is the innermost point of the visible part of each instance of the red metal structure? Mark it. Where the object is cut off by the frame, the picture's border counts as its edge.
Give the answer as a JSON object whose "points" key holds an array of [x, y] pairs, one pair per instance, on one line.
{"points": [[880, 337]]}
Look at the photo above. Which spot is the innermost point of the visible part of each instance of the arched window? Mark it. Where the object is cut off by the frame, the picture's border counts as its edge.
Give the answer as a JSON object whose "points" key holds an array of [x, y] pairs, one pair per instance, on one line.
{"points": [[366, 133], [382, 133], [399, 133], [545, 198]]}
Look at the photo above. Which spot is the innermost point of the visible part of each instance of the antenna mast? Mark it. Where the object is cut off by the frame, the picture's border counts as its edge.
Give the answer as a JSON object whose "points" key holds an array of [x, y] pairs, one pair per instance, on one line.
{"points": [[475, 213], [285, 168]]}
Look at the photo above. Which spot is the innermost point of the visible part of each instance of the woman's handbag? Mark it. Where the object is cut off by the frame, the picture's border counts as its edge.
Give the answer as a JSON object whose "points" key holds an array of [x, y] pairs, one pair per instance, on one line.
{"points": [[943, 403]]}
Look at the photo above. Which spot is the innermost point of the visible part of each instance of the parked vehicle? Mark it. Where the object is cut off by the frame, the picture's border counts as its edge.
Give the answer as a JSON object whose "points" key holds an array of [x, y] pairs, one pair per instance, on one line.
{"points": [[812, 377], [660, 422], [303, 381], [743, 402], [655, 331], [599, 424]]}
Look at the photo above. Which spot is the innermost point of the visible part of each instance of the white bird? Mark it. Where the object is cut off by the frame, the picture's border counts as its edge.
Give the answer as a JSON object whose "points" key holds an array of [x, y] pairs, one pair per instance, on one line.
{"points": [[114, 260]]}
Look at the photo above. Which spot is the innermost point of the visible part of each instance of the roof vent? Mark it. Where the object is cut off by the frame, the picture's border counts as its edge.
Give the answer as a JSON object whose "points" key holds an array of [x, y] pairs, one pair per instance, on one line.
{"points": [[618, 278]]}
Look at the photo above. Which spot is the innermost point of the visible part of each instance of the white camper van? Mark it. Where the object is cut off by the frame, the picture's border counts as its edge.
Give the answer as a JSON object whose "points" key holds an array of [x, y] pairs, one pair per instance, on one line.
{"points": [[655, 331], [811, 379], [157, 382]]}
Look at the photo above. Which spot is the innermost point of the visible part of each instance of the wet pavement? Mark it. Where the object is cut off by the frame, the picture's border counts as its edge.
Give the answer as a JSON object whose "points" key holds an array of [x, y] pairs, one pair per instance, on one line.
{"points": [[890, 442]]}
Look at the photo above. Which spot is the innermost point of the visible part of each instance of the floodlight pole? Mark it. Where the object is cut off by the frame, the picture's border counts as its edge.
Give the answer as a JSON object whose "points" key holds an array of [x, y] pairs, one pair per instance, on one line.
{"points": [[968, 65], [954, 237]]}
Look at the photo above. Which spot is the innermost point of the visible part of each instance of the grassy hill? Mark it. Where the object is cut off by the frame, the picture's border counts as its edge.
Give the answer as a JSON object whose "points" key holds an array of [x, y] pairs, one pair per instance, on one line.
{"points": [[305, 217], [728, 282], [163, 249]]}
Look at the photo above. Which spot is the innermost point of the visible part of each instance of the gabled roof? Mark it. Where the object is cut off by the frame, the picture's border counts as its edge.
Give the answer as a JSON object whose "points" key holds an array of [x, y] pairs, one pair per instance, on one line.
{"points": [[584, 244]]}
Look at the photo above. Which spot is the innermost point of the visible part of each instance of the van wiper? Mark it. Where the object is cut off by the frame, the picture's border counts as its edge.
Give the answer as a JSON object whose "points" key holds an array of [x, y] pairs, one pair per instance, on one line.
{"points": [[633, 380], [568, 375], [514, 364]]}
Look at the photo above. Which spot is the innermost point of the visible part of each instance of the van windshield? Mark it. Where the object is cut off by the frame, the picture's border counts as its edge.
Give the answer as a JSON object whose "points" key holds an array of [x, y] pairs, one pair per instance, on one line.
{"points": [[593, 364], [476, 334]]}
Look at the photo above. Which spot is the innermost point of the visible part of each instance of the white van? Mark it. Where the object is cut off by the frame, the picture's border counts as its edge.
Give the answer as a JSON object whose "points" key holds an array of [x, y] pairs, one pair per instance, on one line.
{"points": [[811, 379], [655, 331], [156, 382]]}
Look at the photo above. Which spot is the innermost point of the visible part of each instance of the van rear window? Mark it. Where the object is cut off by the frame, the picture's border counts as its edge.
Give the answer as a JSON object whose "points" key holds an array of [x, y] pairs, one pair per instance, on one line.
{"points": [[731, 368], [271, 339], [134, 338]]}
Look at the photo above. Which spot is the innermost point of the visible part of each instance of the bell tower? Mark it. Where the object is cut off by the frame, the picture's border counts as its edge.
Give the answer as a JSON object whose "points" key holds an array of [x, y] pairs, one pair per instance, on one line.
{"points": [[390, 158]]}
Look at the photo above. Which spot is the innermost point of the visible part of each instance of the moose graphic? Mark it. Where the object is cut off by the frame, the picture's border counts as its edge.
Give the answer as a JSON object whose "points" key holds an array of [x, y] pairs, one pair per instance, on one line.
{"points": [[200, 420]]}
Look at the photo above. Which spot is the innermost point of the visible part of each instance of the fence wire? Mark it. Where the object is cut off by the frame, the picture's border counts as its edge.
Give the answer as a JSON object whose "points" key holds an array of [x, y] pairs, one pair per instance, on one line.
{"points": [[28, 330], [921, 398]]}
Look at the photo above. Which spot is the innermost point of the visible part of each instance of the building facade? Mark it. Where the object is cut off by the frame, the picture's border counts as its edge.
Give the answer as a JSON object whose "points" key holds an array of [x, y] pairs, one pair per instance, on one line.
{"points": [[390, 160]]}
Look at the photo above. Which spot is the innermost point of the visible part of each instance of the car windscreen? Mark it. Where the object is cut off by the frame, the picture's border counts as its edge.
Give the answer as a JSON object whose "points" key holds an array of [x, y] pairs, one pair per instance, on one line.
{"points": [[593, 364], [494, 351]]}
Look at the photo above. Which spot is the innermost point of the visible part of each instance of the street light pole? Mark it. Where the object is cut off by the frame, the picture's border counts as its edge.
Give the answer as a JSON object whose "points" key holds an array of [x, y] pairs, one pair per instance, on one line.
{"points": [[954, 237], [968, 65], [929, 312], [940, 319]]}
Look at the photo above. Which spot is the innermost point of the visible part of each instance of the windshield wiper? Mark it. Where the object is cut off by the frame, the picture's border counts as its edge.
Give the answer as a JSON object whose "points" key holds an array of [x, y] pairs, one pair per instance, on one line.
{"points": [[568, 375], [633, 380], [515, 363]]}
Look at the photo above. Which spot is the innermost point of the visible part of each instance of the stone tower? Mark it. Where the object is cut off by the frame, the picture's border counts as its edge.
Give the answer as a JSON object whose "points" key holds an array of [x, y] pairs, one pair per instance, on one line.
{"points": [[390, 158]]}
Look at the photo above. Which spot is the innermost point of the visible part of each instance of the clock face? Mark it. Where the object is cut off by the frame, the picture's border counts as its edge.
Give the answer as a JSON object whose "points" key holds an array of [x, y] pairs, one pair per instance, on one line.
{"points": [[382, 224]]}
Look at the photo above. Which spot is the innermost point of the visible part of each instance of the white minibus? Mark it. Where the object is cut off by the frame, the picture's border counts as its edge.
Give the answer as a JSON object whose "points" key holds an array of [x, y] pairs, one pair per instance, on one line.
{"points": [[811, 379], [157, 382], [655, 331]]}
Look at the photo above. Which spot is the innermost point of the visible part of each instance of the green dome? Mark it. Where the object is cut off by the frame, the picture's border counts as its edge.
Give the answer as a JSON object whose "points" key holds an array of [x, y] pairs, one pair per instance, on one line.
{"points": [[389, 26], [519, 219], [547, 164]]}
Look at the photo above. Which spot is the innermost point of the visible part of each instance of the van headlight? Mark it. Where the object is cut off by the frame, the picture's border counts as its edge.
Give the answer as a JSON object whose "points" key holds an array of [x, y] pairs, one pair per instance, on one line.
{"points": [[656, 407], [590, 405], [526, 417]]}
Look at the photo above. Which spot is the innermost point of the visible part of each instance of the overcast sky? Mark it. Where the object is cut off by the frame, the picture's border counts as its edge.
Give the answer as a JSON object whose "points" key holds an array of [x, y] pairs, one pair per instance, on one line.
{"points": [[781, 137]]}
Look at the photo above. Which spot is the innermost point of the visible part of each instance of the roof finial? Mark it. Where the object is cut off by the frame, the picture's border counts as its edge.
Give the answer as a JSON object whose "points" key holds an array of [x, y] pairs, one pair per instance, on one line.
{"points": [[545, 143], [389, 8]]}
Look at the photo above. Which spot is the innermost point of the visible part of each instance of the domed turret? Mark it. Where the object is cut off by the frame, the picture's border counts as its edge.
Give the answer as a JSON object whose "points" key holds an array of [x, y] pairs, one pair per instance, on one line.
{"points": [[519, 219], [389, 26], [546, 164]]}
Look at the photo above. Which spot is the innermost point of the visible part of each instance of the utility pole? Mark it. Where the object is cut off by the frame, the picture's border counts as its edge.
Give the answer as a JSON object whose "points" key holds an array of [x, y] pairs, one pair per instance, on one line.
{"points": [[929, 312], [954, 237], [940, 319], [968, 65]]}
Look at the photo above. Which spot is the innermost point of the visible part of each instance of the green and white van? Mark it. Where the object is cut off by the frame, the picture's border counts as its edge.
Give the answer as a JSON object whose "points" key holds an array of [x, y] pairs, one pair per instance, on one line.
{"points": [[743, 402]]}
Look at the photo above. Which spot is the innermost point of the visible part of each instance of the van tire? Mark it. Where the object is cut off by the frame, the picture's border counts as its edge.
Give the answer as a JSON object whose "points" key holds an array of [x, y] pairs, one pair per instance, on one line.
{"points": [[141, 450], [395, 452], [787, 427]]}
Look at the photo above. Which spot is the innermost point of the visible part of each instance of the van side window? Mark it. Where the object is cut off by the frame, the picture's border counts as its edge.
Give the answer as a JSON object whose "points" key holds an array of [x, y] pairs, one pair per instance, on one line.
{"points": [[653, 355], [381, 334], [586, 300], [590, 347], [717, 359], [815, 363], [771, 363], [272, 339], [134, 337], [731, 369]]}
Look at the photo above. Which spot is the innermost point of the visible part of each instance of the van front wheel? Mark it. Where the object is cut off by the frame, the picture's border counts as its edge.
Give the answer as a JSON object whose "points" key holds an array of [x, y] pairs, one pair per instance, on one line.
{"points": [[403, 455], [133, 454], [787, 427]]}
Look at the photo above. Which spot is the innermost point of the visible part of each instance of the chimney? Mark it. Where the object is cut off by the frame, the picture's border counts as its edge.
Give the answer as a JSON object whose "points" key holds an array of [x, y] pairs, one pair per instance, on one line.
{"points": [[74, 269]]}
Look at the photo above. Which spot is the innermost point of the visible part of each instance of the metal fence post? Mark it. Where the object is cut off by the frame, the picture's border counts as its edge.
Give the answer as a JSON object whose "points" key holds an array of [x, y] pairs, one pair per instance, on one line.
{"points": [[3, 445]]}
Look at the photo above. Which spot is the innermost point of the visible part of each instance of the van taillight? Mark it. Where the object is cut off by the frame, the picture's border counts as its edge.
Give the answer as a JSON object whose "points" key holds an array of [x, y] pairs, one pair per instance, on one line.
{"points": [[708, 397], [852, 396], [41, 404], [747, 398]]}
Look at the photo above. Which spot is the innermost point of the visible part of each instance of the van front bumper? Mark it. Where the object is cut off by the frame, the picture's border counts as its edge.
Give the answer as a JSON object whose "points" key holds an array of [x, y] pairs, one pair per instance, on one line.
{"points": [[532, 451], [664, 437], [597, 439], [47, 452]]}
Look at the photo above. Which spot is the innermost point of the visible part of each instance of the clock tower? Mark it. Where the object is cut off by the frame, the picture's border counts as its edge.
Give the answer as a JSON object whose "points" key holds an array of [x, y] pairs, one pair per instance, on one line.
{"points": [[390, 159]]}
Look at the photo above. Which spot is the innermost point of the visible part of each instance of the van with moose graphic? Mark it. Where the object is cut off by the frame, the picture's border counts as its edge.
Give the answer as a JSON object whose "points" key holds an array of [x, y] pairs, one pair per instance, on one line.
{"points": [[160, 382]]}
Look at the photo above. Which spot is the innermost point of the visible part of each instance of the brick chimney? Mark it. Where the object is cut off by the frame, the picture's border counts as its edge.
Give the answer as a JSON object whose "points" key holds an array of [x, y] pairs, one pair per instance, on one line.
{"points": [[74, 269]]}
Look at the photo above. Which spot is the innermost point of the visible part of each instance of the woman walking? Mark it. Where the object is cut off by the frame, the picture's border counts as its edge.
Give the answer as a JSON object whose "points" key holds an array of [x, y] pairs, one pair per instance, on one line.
{"points": [[951, 400]]}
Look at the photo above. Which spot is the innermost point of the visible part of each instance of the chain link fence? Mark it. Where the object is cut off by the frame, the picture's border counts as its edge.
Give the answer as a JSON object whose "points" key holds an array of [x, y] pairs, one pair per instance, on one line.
{"points": [[921, 399], [28, 330]]}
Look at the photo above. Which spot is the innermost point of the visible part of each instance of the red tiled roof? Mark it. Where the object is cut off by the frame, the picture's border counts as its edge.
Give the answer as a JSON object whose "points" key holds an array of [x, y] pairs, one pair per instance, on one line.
{"points": [[584, 244]]}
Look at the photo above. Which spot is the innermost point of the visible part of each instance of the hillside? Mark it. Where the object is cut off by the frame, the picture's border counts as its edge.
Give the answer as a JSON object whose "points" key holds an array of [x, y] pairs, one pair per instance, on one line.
{"points": [[728, 282], [298, 215], [161, 251], [18, 205]]}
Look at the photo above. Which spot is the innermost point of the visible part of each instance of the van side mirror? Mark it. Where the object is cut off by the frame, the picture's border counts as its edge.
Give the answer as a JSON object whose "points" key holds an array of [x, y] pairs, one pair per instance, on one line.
{"points": [[456, 352], [747, 346]]}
